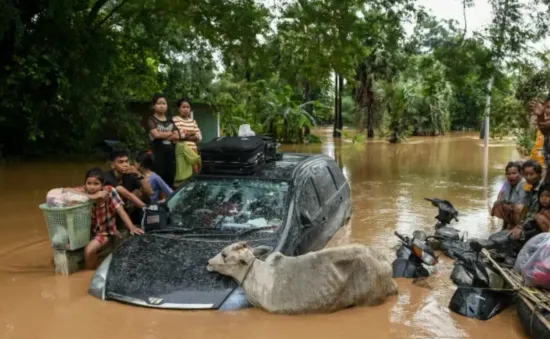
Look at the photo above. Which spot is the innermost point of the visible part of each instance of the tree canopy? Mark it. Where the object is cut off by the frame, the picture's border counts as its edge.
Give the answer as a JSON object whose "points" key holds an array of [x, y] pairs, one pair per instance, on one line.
{"points": [[70, 69]]}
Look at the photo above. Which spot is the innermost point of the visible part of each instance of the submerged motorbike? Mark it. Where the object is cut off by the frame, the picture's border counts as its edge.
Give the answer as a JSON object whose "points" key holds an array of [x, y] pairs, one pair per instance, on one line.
{"points": [[412, 255], [479, 292], [505, 250], [446, 214], [447, 238]]}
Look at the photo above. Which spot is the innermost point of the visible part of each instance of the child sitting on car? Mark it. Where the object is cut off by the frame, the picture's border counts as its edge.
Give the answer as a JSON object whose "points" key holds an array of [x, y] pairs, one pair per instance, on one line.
{"points": [[160, 188], [107, 204]]}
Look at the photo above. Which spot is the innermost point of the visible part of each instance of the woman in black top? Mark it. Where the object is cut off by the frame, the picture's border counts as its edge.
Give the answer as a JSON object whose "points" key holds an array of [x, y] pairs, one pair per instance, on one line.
{"points": [[162, 134]]}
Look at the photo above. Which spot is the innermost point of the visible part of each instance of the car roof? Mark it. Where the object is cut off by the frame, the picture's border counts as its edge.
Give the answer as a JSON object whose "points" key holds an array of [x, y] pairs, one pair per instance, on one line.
{"points": [[283, 169]]}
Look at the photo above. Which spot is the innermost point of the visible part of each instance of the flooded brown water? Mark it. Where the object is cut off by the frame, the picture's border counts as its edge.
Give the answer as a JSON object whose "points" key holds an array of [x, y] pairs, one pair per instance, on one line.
{"points": [[388, 183]]}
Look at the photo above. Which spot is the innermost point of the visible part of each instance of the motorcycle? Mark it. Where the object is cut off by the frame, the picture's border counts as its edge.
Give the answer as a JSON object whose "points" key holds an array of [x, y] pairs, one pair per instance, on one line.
{"points": [[409, 264], [412, 255], [504, 249], [446, 214], [479, 292], [447, 238]]}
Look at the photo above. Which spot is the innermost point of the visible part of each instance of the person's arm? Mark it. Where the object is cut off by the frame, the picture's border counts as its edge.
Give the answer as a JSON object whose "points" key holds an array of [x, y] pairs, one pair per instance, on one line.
{"points": [[163, 185], [143, 183], [152, 125], [542, 222], [127, 222], [515, 232], [177, 135], [198, 133], [196, 136], [523, 207], [145, 186], [521, 194], [495, 209], [130, 196]]}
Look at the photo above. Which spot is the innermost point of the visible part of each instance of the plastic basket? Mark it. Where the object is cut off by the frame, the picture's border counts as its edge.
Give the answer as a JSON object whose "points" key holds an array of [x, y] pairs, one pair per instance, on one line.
{"points": [[69, 227]]}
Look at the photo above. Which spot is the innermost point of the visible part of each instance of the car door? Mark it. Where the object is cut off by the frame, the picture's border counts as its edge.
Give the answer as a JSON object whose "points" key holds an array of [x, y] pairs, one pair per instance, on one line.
{"points": [[343, 194], [333, 204], [308, 212]]}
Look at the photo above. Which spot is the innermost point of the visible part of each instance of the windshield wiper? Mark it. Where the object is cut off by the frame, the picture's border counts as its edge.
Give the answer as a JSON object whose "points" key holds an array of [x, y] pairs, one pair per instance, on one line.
{"points": [[254, 230], [169, 230], [208, 235], [188, 232]]}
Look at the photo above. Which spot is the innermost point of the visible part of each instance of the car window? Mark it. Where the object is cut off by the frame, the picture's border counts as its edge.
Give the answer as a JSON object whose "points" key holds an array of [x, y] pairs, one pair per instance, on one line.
{"points": [[324, 181], [308, 200], [228, 203]]}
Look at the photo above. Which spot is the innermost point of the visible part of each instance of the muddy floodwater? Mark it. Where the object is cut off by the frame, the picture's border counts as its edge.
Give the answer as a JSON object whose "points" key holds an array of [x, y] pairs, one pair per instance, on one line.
{"points": [[388, 184]]}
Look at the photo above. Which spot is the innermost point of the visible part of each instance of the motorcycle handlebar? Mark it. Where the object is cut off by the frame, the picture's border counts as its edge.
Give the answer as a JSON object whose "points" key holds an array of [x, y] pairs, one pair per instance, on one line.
{"points": [[403, 238]]}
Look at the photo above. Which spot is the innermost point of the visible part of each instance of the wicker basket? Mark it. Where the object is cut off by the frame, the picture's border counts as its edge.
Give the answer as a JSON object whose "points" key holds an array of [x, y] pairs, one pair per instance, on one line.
{"points": [[69, 227]]}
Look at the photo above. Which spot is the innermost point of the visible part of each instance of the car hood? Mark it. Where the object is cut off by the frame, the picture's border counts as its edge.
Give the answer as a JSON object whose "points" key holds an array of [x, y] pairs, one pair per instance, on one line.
{"points": [[168, 271]]}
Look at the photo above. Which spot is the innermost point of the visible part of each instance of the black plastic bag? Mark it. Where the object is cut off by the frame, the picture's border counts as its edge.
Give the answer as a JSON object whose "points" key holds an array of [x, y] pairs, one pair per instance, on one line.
{"points": [[450, 248], [500, 238], [477, 303], [461, 276], [447, 233]]}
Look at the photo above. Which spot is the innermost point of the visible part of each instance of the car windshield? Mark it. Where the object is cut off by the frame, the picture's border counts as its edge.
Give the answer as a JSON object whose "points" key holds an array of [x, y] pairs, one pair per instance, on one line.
{"points": [[228, 204]]}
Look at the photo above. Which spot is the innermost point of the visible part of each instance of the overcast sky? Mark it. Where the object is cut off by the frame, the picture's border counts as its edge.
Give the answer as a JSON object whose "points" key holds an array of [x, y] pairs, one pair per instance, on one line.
{"points": [[478, 17]]}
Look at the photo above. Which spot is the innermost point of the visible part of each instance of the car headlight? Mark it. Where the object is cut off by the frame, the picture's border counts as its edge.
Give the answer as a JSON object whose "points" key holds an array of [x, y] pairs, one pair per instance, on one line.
{"points": [[97, 285], [236, 300]]}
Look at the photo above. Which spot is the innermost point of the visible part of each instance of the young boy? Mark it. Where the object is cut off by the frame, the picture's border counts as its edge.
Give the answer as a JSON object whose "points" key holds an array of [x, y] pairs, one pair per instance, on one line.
{"points": [[129, 183]]}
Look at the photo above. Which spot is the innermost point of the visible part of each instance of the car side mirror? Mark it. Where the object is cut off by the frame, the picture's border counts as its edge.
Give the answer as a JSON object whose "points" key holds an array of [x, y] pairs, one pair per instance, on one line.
{"points": [[305, 219]]}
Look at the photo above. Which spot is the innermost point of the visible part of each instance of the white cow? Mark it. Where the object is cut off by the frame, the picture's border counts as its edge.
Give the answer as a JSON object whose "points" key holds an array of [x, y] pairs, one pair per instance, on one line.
{"points": [[323, 281]]}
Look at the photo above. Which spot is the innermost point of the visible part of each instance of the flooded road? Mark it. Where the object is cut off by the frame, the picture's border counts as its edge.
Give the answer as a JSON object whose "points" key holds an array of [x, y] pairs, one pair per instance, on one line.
{"points": [[388, 183]]}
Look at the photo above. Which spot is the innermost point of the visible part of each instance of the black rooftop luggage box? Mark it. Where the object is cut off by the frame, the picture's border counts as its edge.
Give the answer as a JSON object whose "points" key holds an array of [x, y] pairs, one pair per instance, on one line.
{"points": [[233, 155]]}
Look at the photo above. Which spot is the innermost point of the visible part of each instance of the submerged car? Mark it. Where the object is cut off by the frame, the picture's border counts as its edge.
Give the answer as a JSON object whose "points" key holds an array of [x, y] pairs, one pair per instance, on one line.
{"points": [[295, 204]]}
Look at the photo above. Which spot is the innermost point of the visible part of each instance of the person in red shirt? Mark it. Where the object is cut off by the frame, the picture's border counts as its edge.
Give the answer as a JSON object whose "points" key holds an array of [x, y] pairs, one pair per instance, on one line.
{"points": [[107, 204]]}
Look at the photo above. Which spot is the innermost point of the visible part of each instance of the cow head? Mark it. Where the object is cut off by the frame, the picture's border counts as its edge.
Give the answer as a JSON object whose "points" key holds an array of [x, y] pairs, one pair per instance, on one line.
{"points": [[235, 259]]}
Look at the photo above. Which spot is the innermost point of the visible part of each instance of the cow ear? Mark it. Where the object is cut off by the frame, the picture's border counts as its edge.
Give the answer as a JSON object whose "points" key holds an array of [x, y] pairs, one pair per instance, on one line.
{"points": [[261, 250], [240, 246]]}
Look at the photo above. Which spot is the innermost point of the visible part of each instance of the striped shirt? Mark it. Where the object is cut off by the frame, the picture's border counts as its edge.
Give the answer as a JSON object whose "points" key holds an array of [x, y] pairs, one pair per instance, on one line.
{"points": [[186, 126]]}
